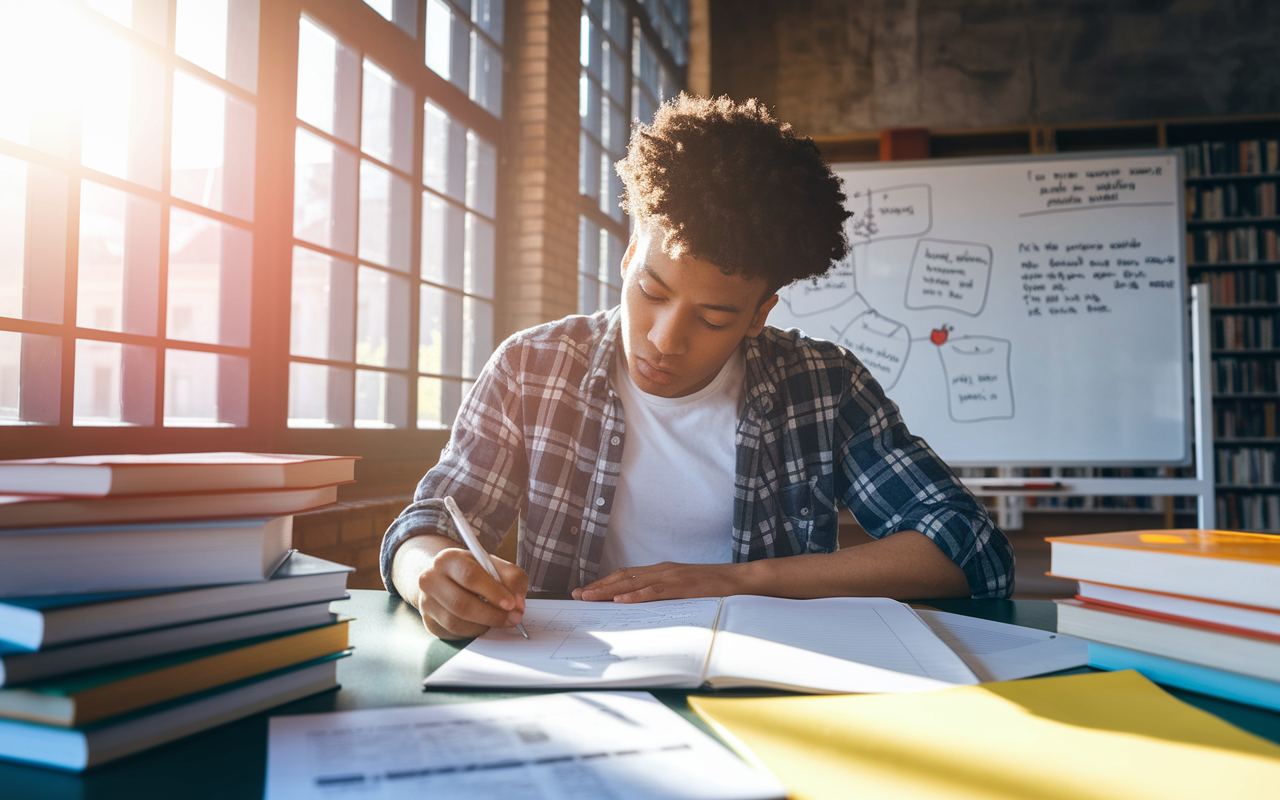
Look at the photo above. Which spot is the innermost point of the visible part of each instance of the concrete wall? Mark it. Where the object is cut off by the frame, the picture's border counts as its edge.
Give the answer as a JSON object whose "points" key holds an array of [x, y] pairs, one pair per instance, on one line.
{"points": [[832, 67]]}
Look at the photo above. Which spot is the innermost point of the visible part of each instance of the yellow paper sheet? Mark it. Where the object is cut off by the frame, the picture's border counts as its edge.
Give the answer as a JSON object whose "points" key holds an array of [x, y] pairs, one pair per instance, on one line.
{"points": [[1076, 737]]}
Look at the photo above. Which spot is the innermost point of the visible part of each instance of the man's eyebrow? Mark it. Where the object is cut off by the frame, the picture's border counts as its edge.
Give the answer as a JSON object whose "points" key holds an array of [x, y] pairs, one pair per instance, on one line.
{"points": [[648, 272]]}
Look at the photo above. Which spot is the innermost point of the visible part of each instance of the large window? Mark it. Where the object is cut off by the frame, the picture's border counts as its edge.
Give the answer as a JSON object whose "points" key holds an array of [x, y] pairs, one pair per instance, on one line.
{"points": [[632, 58], [133, 288]]}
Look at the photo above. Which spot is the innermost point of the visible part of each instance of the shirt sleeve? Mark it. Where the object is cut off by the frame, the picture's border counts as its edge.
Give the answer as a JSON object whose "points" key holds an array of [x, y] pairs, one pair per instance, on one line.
{"points": [[484, 468], [895, 482]]}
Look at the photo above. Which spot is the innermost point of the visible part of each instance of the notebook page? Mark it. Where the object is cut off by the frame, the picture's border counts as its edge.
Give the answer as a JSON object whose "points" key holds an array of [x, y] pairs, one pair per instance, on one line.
{"points": [[838, 644], [578, 644]]}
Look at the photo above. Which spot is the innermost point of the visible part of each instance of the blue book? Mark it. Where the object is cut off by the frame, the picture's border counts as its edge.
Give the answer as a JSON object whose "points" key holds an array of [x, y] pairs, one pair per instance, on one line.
{"points": [[1192, 677]]}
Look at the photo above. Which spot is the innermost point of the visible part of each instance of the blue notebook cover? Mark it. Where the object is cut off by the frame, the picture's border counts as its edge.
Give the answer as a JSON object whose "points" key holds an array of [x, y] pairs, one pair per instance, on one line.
{"points": [[1192, 677]]}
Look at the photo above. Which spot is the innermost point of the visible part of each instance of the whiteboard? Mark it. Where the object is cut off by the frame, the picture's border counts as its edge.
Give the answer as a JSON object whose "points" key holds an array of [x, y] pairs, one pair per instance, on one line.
{"points": [[1025, 310]]}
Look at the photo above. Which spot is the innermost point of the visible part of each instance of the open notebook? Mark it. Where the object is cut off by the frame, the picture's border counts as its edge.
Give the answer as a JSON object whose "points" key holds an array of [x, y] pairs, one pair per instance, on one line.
{"points": [[836, 645]]}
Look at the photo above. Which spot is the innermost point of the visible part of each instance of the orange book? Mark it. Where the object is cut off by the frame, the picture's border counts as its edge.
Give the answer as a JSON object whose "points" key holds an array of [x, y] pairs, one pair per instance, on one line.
{"points": [[1225, 566]]}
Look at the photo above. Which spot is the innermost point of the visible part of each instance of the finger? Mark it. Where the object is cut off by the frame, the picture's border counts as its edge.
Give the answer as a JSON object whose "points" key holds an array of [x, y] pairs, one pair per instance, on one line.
{"points": [[607, 591], [653, 591], [459, 610], [465, 571], [515, 579], [612, 580]]}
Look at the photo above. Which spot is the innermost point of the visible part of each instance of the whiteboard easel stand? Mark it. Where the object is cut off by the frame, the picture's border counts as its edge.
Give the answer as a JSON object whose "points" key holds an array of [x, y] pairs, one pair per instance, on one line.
{"points": [[1200, 487]]}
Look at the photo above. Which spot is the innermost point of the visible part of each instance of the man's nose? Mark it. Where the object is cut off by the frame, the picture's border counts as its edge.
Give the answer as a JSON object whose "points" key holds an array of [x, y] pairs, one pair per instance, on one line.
{"points": [[667, 335]]}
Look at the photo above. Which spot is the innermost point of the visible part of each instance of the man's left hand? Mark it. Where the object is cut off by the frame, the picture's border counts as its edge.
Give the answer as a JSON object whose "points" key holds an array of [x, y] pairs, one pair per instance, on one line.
{"points": [[665, 581]]}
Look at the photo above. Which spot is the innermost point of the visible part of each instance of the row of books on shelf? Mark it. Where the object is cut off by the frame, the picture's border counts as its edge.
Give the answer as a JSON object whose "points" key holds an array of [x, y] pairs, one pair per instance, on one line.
{"points": [[1250, 511], [1240, 287], [146, 598], [1244, 331], [1247, 157], [1246, 466], [1196, 610], [1233, 375], [1231, 201], [1257, 419], [1240, 245]]}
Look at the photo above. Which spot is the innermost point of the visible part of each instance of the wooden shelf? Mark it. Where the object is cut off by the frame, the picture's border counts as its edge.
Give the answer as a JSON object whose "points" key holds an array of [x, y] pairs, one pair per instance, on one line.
{"points": [[1246, 441], [1235, 176], [1227, 487], [1239, 222], [1248, 396], [1234, 265]]}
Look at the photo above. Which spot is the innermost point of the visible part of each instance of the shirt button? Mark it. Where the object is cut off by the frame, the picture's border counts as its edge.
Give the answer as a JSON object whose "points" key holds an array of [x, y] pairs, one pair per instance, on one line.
{"points": [[615, 441], [573, 531], [599, 502], [804, 512]]}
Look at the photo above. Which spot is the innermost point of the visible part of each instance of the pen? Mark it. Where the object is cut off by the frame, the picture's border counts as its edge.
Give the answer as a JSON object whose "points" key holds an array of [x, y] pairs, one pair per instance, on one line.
{"points": [[473, 544], [1024, 487]]}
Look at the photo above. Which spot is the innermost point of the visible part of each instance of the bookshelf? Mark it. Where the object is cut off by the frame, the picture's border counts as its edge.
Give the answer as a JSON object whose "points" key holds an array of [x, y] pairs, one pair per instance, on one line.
{"points": [[1233, 246]]}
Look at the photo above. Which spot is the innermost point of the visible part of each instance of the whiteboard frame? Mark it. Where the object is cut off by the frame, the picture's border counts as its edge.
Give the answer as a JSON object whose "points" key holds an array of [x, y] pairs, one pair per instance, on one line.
{"points": [[1190, 440]]}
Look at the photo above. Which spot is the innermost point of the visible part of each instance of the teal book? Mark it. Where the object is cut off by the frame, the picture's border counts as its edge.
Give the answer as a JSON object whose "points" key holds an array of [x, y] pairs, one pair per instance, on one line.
{"points": [[1192, 677]]}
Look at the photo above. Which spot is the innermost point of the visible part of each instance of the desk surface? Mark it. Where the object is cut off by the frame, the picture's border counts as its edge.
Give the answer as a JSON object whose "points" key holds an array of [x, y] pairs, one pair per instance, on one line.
{"points": [[392, 654]]}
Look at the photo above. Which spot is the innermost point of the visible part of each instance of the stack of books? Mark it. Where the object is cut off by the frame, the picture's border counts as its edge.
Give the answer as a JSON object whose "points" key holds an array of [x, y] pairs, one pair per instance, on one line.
{"points": [[146, 598], [1198, 610]]}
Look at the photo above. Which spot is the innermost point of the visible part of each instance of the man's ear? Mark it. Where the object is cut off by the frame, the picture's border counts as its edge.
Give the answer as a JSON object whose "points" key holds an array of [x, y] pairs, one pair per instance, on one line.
{"points": [[762, 314]]}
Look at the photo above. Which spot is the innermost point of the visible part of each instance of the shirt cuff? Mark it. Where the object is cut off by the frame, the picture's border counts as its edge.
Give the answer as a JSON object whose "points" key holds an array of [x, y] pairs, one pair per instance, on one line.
{"points": [[422, 518]]}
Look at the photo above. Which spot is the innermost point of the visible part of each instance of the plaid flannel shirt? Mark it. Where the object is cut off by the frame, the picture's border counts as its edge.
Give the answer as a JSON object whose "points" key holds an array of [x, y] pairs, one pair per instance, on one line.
{"points": [[541, 433]]}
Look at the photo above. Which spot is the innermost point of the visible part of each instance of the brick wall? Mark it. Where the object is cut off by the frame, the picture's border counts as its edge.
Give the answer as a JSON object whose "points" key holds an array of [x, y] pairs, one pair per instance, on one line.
{"points": [[538, 279], [350, 533]]}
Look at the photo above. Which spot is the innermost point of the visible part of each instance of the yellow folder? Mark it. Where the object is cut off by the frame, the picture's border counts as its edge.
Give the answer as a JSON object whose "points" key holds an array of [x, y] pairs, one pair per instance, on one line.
{"points": [[1076, 737]]}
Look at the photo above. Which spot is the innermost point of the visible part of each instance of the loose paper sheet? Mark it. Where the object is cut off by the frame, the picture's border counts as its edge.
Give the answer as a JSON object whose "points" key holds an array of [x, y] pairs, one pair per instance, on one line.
{"points": [[1102, 736], [578, 746]]}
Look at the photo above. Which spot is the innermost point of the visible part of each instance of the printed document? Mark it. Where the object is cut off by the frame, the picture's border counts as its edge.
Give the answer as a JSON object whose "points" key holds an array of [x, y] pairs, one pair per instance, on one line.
{"points": [[580, 746]]}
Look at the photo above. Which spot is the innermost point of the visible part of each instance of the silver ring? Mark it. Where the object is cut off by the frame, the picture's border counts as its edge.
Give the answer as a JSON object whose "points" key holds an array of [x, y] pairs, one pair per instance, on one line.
{"points": [[632, 576]]}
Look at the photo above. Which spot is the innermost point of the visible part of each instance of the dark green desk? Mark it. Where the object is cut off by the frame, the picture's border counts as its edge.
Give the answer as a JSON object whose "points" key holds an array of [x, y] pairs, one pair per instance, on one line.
{"points": [[393, 653]]}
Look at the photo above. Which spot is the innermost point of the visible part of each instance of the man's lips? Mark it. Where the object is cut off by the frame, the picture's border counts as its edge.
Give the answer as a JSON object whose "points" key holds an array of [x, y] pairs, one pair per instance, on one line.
{"points": [[653, 373]]}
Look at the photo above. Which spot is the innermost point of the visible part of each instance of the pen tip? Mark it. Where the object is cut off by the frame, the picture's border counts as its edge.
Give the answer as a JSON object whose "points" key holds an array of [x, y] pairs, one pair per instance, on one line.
{"points": [[523, 632]]}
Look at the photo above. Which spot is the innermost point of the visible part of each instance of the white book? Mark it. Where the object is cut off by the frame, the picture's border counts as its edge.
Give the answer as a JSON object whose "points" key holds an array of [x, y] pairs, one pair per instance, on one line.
{"points": [[829, 645], [116, 558], [100, 476]]}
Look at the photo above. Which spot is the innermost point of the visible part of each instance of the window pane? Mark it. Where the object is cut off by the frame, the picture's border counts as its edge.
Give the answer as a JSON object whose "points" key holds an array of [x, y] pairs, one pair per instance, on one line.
{"points": [[610, 189], [486, 75], [213, 147], [114, 384], [147, 17], [439, 332], [487, 14], [442, 241], [205, 390], [122, 113], [615, 73], [30, 378], [590, 52], [328, 82], [119, 248], [209, 293], [479, 257], [588, 247], [382, 319], [611, 252], [382, 399], [324, 193], [588, 166], [385, 206], [589, 104], [477, 341], [614, 130], [322, 316], [13, 222], [438, 402], [38, 113], [222, 37], [617, 22], [448, 40], [482, 175], [588, 295], [320, 396], [387, 128], [444, 152]]}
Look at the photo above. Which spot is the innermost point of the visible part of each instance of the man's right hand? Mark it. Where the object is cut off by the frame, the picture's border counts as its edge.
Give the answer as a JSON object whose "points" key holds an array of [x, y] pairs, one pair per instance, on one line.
{"points": [[445, 583]]}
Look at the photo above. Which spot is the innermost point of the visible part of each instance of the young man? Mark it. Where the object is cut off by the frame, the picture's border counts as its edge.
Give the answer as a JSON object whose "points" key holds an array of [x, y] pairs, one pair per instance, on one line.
{"points": [[675, 446]]}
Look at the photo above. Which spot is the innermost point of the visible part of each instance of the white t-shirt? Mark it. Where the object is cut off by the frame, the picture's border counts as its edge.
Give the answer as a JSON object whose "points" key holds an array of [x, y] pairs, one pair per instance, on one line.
{"points": [[674, 500]]}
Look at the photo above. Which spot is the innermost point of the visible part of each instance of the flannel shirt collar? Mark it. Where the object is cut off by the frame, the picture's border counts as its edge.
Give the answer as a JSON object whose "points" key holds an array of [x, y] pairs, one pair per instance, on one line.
{"points": [[760, 388]]}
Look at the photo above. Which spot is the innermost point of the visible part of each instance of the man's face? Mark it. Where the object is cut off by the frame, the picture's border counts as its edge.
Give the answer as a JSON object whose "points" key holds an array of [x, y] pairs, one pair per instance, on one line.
{"points": [[682, 317]]}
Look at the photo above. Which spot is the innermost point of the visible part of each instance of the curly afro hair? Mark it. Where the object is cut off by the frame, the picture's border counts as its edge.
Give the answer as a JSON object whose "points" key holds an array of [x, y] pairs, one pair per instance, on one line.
{"points": [[729, 184]]}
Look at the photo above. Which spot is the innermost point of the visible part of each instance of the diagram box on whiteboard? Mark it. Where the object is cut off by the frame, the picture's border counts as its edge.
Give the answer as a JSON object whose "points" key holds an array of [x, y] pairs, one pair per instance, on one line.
{"points": [[953, 275], [891, 212]]}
